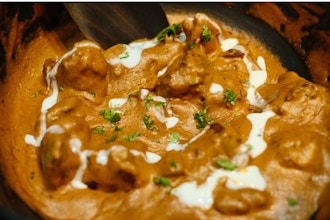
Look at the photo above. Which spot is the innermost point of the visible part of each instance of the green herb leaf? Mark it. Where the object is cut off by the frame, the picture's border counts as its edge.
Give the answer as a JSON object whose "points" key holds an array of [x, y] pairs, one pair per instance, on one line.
{"points": [[34, 95], [99, 130], [191, 45], [131, 137], [148, 122], [291, 202], [226, 164], [174, 137], [112, 138], [173, 164], [249, 146], [230, 97], [126, 55], [163, 181], [160, 104], [61, 88], [110, 115], [201, 118], [148, 101], [169, 31], [206, 35]]}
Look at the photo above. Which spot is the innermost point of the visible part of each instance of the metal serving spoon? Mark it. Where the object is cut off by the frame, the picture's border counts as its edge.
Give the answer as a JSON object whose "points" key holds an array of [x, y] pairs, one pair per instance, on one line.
{"points": [[113, 23]]}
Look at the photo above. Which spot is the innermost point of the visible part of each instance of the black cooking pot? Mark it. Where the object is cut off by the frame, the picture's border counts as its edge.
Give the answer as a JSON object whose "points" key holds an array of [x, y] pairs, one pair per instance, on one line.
{"points": [[11, 206]]}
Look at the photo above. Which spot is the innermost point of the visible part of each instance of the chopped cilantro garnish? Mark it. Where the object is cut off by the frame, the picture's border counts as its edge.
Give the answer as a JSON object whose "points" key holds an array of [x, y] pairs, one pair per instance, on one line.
{"points": [[230, 97], [169, 31], [163, 181], [291, 202], [249, 146], [99, 130], [112, 138], [226, 164], [131, 137], [201, 118], [174, 137], [35, 94], [148, 101], [191, 45], [160, 104], [148, 122], [206, 35], [126, 55], [61, 88], [173, 164], [110, 115]]}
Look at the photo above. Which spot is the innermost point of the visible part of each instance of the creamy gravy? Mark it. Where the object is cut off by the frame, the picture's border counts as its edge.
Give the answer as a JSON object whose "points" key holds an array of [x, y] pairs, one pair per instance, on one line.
{"points": [[204, 124]]}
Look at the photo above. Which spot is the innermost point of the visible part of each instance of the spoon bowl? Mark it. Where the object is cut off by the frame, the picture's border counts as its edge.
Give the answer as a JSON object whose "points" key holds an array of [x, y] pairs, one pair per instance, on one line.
{"points": [[113, 23]]}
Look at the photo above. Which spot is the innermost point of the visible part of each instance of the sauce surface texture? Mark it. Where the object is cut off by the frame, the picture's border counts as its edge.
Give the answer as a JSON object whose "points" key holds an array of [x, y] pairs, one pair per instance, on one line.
{"points": [[201, 122]]}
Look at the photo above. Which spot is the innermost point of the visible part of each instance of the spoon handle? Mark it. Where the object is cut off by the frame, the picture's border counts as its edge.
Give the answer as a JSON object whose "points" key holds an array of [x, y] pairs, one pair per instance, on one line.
{"points": [[113, 23]]}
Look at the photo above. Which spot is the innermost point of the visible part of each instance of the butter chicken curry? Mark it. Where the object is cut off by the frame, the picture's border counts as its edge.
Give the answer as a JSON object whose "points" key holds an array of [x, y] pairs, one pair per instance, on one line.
{"points": [[201, 122]]}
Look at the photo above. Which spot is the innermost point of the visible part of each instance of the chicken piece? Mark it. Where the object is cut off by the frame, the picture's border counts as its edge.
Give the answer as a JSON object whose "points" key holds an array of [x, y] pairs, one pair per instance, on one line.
{"points": [[59, 164], [58, 153], [85, 70], [121, 170], [201, 30], [240, 201], [302, 152], [183, 74], [296, 99], [145, 73]]}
